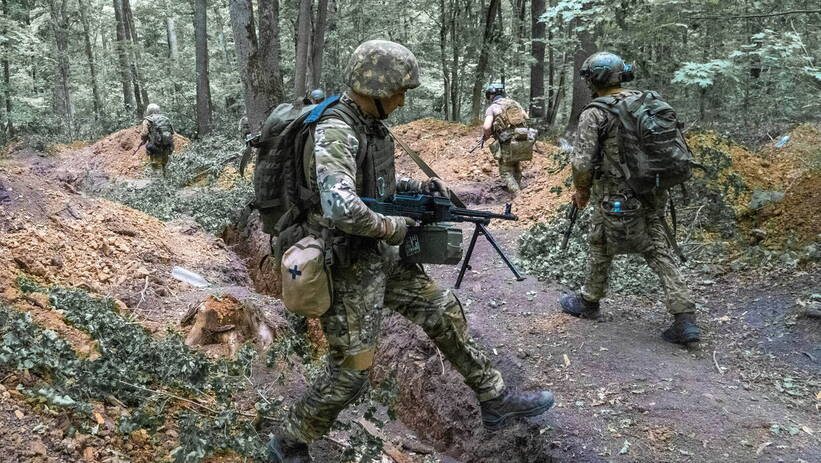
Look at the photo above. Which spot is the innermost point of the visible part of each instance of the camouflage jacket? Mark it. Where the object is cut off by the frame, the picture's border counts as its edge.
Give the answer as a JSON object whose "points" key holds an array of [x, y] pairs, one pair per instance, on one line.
{"points": [[331, 169]]}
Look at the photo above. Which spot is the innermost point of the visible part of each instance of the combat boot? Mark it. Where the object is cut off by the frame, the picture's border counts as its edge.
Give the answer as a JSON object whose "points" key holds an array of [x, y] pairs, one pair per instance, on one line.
{"points": [[284, 450], [495, 412], [578, 306], [684, 329]]}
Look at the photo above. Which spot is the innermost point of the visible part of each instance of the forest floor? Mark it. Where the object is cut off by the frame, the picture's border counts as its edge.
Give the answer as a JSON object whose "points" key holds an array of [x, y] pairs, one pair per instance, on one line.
{"points": [[750, 391]]}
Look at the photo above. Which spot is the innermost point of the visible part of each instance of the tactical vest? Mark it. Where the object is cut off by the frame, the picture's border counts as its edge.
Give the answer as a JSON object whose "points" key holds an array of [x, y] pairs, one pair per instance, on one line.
{"points": [[375, 169], [512, 116]]}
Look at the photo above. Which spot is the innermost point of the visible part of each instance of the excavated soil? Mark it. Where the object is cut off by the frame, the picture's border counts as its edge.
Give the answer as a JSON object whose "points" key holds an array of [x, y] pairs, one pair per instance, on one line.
{"points": [[474, 177], [114, 154]]}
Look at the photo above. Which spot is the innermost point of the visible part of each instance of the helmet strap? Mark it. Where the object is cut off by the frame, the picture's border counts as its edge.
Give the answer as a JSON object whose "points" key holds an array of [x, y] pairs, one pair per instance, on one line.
{"points": [[380, 109]]}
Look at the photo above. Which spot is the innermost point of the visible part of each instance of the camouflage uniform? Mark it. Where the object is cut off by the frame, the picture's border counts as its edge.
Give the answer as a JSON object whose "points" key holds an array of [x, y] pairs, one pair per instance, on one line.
{"points": [[158, 156], [373, 280], [649, 240], [509, 171]]}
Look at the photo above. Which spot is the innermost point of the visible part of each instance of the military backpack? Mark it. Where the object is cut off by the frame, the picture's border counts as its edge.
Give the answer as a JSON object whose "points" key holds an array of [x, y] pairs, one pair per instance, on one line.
{"points": [[160, 131], [653, 154]]}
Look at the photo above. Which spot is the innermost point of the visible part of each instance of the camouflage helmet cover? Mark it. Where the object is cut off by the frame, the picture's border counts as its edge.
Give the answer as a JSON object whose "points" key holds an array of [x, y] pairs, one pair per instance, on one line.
{"points": [[605, 69], [380, 68], [152, 109]]}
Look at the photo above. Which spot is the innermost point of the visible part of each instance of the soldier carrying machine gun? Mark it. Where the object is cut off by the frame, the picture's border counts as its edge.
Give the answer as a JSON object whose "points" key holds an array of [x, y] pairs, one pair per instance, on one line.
{"points": [[433, 242]]}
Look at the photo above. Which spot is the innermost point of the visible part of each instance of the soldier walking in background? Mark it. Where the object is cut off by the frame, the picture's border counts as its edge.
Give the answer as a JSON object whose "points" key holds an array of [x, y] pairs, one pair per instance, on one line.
{"points": [[158, 133], [625, 221], [506, 122], [352, 156]]}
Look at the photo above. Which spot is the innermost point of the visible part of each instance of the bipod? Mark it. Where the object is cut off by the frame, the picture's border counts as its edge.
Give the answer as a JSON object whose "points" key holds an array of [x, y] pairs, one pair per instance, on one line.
{"points": [[482, 230]]}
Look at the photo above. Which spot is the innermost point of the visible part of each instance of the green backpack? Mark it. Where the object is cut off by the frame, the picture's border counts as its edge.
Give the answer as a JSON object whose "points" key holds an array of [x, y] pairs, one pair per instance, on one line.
{"points": [[160, 131], [653, 154], [280, 194]]}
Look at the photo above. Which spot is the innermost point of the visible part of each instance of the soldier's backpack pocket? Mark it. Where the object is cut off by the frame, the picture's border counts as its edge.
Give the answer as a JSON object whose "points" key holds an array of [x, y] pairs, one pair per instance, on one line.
{"points": [[521, 144], [625, 232], [306, 281]]}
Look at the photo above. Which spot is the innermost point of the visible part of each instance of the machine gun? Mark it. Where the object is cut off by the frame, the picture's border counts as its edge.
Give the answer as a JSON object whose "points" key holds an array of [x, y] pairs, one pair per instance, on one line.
{"points": [[432, 239]]}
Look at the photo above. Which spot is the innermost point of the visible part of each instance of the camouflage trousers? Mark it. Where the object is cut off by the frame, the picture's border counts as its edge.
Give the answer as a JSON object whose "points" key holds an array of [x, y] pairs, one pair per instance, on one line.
{"points": [[158, 157], [377, 280], [511, 174], [509, 171], [657, 253]]}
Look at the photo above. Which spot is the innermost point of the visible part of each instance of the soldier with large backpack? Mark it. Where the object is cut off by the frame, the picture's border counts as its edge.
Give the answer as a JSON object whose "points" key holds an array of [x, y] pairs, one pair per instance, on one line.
{"points": [[340, 260], [629, 151], [158, 133], [506, 122]]}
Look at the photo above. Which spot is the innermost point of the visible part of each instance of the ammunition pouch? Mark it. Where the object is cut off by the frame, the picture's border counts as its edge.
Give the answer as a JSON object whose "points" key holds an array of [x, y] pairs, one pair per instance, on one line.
{"points": [[306, 280], [432, 244], [625, 232]]}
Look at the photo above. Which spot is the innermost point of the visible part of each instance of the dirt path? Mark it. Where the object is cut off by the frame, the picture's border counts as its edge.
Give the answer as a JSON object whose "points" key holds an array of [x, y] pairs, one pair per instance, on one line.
{"points": [[623, 393]]}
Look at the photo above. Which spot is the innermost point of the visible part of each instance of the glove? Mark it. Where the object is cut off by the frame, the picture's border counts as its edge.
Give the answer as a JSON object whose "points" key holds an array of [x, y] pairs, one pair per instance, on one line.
{"points": [[436, 186], [396, 228], [581, 196]]}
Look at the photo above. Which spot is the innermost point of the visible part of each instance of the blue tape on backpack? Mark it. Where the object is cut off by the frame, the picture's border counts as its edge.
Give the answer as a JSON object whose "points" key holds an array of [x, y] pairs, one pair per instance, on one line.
{"points": [[316, 113]]}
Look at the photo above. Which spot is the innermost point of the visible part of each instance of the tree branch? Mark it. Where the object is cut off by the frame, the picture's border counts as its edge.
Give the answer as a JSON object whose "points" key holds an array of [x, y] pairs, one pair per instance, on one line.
{"points": [[761, 15]]}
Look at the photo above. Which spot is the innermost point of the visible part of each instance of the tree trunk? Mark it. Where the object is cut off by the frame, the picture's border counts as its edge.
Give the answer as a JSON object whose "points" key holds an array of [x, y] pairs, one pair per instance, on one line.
{"points": [[581, 94], [443, 39], [122, 57], [7, 78], [260, 88], [95, 88], [537, 100], [141, 93], [221, 32], [269, 46], [203, 86], [455, 86], [62, 71], [303, 37], [171, 36], [318, 43], [481, 68]]}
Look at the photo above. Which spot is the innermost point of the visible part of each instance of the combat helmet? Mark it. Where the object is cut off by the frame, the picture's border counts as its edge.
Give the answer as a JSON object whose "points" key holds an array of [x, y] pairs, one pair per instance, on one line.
{"points": [[380, 68], [494, 90], [152, 108], [605, 69]]}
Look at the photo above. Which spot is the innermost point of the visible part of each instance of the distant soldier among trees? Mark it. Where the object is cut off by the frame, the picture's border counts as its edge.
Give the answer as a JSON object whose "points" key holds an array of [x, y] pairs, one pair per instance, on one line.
{"points": [[158, 133], [506, 122]]}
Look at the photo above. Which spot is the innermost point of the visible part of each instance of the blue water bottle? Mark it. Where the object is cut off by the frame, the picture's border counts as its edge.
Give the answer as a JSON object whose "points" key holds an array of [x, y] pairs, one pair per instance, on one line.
{"points": [[616, 206]]}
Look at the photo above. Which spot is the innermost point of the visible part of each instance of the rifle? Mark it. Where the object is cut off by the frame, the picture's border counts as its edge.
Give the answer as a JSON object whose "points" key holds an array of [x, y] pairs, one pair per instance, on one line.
{"points": [[251, 141], [479, 144], [141, 145], [429, 209], [572, 215]]}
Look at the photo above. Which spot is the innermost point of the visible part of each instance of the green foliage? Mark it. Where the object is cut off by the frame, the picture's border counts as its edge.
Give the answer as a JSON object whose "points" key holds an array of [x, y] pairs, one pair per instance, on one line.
{"points": [[211, 206], [540, 255], [704, 74], [134, 367]]}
